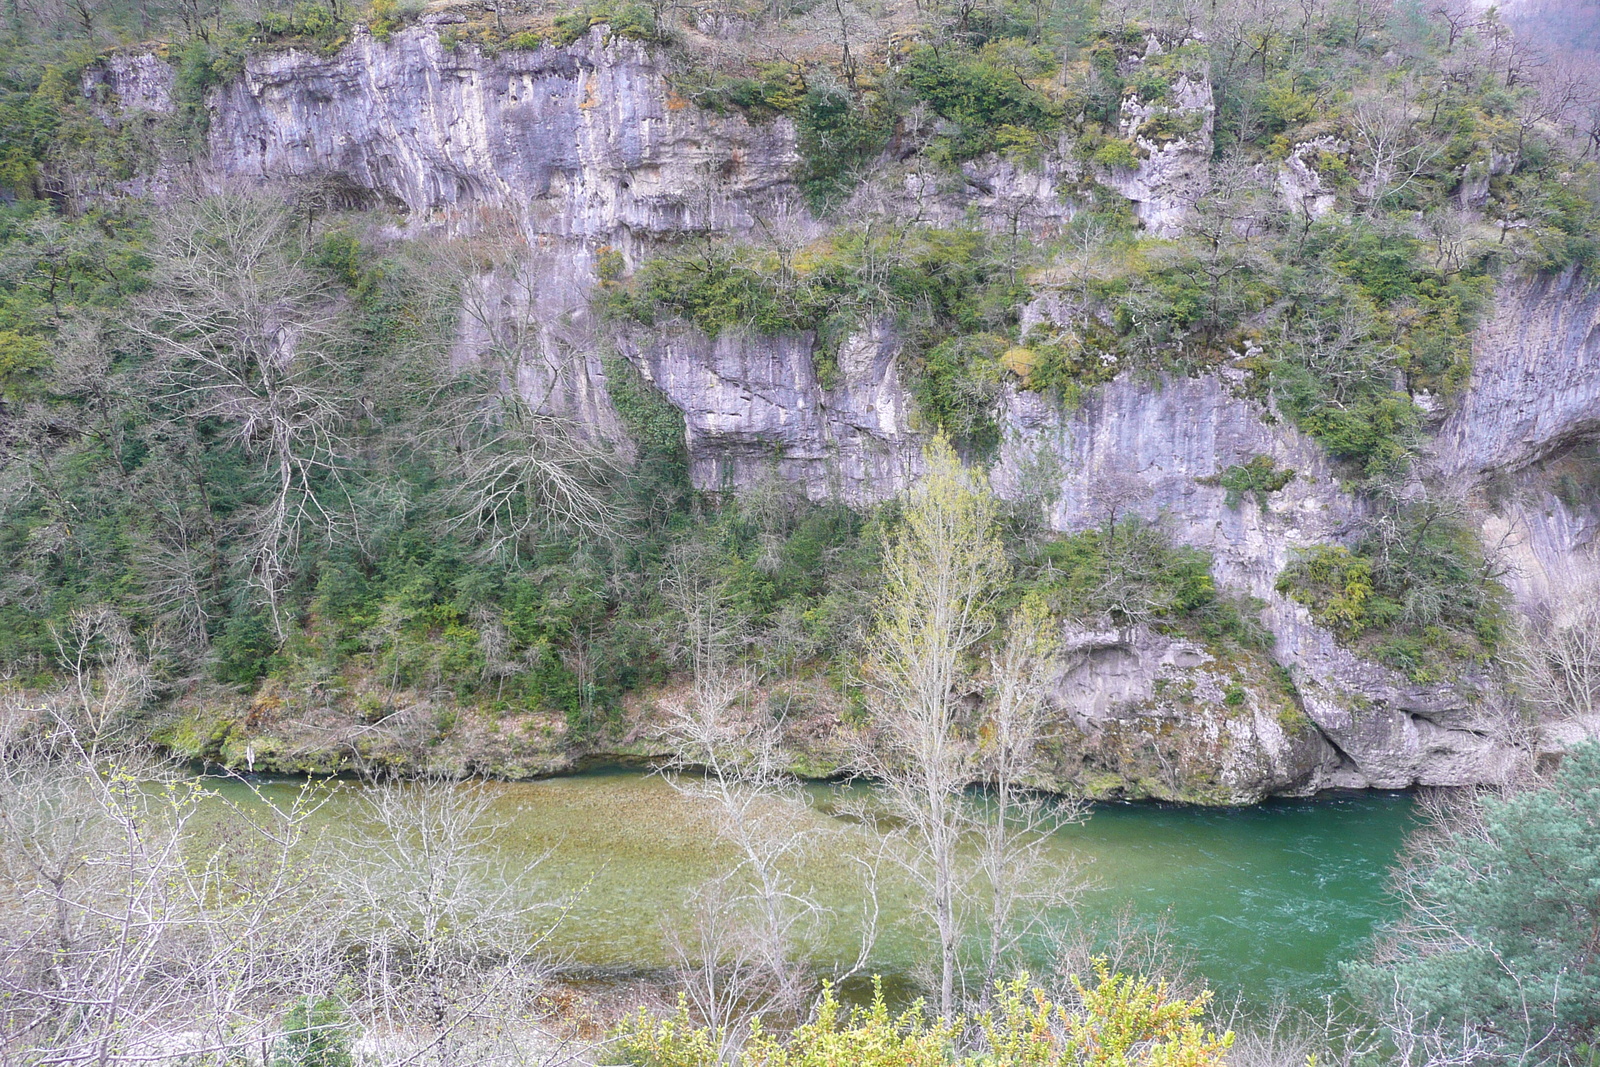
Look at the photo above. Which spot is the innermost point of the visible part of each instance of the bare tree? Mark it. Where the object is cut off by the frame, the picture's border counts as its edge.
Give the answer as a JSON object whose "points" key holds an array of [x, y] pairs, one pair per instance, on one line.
{"points": [[1557, 659], [1024, 881], [1388, 146], [1224, 230], [107, 678], [744, 956], [755, 926], [519, 471], [129, 931], [247, 335], [520, 467], [451, 932], [712, 630], [1113, 492], [976, 861]]}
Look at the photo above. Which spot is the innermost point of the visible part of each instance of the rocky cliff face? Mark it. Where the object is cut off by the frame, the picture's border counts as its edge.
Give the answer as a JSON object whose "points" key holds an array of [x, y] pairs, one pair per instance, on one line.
{"points": [[585, 147]]}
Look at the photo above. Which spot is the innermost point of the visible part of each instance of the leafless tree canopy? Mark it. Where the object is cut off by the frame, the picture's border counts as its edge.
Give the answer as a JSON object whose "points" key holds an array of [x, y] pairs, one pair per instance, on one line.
{"points": [[246, 335], [978, 863]]}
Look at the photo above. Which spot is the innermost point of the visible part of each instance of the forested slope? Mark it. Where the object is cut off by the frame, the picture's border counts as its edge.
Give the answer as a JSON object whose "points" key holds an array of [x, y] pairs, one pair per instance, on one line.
{"points": [[443, 387]]}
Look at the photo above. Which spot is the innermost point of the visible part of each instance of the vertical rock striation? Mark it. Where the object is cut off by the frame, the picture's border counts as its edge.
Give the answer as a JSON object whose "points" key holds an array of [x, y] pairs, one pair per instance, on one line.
{"points": [[578, 149]]}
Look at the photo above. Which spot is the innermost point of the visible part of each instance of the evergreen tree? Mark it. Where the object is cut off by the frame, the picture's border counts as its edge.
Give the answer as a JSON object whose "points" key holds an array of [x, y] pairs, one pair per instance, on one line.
{"points": [[1498, 951]]}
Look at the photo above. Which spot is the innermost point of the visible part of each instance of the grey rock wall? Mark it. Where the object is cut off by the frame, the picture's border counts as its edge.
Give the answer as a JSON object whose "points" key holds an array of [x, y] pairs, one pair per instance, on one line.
{"points": [[1535, 379], [579, 148], [581, 142], [752, 405]]}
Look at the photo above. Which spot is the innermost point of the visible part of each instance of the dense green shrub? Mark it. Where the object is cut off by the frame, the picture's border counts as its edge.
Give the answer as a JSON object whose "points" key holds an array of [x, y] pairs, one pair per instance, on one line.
{"points": [[978, 97], [386, 17], [634, 21], [959, 389], [1258, 478], [1131, 573], [315, 1033], [838, 137], [1495, 953], [1416, 593], [1065, 362]]}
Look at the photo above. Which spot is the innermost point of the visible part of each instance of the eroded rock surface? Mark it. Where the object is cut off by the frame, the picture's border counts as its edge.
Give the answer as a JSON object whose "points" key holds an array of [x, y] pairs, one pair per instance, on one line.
{"points": [[577, 149]]}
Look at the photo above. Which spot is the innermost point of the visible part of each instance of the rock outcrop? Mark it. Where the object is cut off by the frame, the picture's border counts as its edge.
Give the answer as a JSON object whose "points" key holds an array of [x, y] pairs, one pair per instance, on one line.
{"points": [[578, 149]]}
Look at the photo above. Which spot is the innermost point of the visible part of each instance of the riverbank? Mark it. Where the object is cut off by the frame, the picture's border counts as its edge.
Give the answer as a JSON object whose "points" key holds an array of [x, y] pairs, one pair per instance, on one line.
{"points": [[357, 729]]}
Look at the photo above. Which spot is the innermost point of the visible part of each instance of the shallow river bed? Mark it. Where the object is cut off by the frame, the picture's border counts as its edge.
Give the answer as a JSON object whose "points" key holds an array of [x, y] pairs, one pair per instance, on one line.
{"points": [[1265, 901]]}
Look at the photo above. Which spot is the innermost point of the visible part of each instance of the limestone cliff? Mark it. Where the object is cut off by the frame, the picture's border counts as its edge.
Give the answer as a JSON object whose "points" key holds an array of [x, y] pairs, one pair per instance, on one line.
{"points": [[585, 147]]}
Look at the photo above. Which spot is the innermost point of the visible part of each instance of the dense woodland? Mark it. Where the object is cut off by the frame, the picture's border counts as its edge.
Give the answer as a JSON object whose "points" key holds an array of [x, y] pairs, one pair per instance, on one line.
{"points": [[242, 469]]}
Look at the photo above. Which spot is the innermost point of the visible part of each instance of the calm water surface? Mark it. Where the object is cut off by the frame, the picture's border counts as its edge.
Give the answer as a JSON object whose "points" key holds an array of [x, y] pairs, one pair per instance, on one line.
{"points": [[1266, 901]]}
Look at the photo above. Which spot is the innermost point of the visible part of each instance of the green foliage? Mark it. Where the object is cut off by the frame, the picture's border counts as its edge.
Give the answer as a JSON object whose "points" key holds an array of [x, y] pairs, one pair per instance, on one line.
{"points": [[1117, 1021], [838, 137], [1497, 945], [634, 21], [308, 24], [646, 1040], [775, 91], [1131, 573], [719, 290], [315, 1034], [1337, 586], [1067, 361], [657, 430], [1258, 479], [246, 650], [959, 388], [1367, 308], [950, 291], [1416, 593], [1115, 153], [28, 121], [106, 465], [870, 1037], [385, 17], [979, 97]]}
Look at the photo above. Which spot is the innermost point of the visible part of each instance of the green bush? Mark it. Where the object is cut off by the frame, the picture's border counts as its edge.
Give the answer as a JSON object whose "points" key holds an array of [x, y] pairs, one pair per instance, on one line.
{"points": [[1116, 153], [1338, 588], [978, 98], [1258, 478], [1132, 573], [1114, 1021], [246, 650], [1416, 593], [315, 1033], [634, 21], [838, 137], [1067, 361], [385, 17], [1495, 951], [775, 92], [959, 388]]}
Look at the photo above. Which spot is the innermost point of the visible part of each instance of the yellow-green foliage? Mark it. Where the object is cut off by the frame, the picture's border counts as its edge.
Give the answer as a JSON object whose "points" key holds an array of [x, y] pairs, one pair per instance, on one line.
{"points": [[646, 1040], [1258, 478], [1117, 1021], [388, 16], [1335, 584], [871, 1037], [1120, 1021]]}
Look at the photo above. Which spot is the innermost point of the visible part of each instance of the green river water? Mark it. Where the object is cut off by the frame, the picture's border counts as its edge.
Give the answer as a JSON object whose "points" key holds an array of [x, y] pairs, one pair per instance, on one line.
{"points": [[1264, 901]]}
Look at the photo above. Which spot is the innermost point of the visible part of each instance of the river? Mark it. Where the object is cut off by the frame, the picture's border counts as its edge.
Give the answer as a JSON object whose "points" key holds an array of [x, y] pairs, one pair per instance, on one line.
{"points": [[1265, 901]]}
